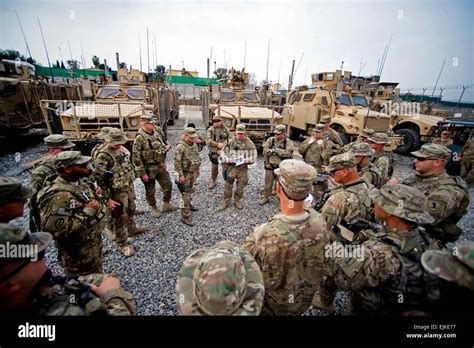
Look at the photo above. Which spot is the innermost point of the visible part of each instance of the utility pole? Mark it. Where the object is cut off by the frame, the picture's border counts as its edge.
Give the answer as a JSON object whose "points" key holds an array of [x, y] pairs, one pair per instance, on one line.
{"points": [[46, 50]]}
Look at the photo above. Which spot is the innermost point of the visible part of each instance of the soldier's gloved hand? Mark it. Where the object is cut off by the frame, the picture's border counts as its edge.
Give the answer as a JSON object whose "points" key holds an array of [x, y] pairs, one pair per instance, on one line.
{"points": [[108, 283], [220, 146], [145, 178], [182, 179], [112, 204], [94, 205], [394, 181]]}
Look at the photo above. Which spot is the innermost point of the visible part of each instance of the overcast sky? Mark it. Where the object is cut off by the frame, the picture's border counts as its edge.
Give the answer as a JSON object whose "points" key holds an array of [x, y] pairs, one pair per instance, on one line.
{"points": [[325, 33]]}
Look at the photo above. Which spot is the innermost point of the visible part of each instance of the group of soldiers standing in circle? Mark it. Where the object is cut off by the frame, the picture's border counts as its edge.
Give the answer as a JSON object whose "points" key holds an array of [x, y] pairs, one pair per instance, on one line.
{"points": [[299, 259]]}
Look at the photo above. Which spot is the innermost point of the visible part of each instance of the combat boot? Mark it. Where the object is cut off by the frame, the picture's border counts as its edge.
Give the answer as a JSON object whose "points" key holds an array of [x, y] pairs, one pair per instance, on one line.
{"points": [[138, 212], [224, 205], [237, 204], [155, 212], [264, 200], [193, 208], [168, 208], [110, 234], [127, 250], [187, 221], [136, 231], [317, 303], [212, 184]]}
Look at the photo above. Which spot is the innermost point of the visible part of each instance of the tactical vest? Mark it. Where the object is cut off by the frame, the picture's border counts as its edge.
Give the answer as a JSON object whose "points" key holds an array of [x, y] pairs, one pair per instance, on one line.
{"points": [[190, 161], [365, 203], [122, 169], [153, 151], [313, 157], [273, 159], [377, 181], [390, 161], [219, 136]]}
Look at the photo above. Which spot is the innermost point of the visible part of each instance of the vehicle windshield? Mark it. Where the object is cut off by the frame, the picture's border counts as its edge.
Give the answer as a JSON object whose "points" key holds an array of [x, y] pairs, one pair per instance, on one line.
{"points": [[228, 95], [135, 93], [108, 92], [359, 100], [344, 99], [250, 96]]}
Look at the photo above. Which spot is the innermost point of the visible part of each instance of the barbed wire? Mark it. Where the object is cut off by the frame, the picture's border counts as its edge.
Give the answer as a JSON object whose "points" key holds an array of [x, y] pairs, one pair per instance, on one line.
{"points": [[451, 87]]}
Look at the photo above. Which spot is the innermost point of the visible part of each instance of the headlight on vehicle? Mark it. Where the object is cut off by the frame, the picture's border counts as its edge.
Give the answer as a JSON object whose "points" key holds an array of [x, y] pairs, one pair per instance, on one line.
{"points": [[228, 123], [134, 122]]}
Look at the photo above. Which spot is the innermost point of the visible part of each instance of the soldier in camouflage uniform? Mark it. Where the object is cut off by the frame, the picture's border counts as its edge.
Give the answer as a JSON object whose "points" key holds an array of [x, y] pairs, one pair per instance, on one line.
{"points": [[73, 213], [149, 158], [381, 159], [200, 141], [444, 139], [13, 196], [27, 286], [275, 150], [367, 171], [101, 137], [290, 247], [364, 135], [351, 199], [386, 277], [186, 163], [331, 135], [221, 280], [55, 143], [217, 135], [316, 151], [467, 162], [448, 196], [239, 148], [115, 174]]}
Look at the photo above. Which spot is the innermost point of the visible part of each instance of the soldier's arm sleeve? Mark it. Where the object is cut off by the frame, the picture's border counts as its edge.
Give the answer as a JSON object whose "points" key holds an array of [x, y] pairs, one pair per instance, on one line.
{"points": [[225, 152], [304, 147], [266, 147], [177, 160], [382, 165], [101, 163], [444, 201], [336, 138], [119, 302], [38, 176], [136, 157], [210, 140], [252, 154], [375, 264], [367, 177], [290, 146], [334, 209], [326, 150]]}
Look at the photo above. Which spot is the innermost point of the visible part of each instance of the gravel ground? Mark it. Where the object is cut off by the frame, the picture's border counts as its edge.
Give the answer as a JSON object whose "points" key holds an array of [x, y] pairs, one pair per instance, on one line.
{"points": [[159, 253]]}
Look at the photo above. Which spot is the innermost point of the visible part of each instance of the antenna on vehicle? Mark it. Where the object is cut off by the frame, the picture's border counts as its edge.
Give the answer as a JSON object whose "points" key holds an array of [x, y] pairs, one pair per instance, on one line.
{"points": [[245, 53], [47, 55], [23, 33], [148, 51], [290, 80], [83, 57], [437, 80], [156, 55], [268, 61], [140, 51]]}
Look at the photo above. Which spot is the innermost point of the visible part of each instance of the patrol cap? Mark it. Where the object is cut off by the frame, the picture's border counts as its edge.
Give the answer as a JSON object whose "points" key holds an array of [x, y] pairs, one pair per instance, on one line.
{"points": [[342, 161], [59, 141], [216, 118], [366, 133], [454, 266], [403, 201], [115, 137], [319, 128], [103, 132], [69, 158], [280, 129], [149, 117], [296, 177], [379, 138], [433, 151], [13, 235], [359, 148], [12, 190], [325, 119], [240, 128], [223, 279], [190, 132]]}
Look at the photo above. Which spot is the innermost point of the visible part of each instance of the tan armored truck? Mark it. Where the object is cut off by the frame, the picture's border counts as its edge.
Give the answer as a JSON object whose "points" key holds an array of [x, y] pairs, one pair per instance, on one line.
{"points": [[235, 104], [329, 95], [116, 105], [411, 120]]}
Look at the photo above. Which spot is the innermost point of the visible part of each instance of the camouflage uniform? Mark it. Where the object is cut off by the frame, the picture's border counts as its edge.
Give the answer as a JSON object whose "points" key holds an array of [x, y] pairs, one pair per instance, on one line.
{"points": [[273, 153], [382, 160], [290, 249], [12, 190], [233, 149], [214, 137], [448, 196], [149, 157], [317, 156], [69, 295], [440, 141], [332, 135], [387, 277], [115, 174], [346, 202], [42, 171], [467, 161], [187, 162], [101, 136], [221, 280], [368, 171], [76, 228]]}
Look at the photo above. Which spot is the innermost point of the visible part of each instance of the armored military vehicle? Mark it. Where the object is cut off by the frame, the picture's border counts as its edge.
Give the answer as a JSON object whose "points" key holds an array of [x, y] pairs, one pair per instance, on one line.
{"points": [[330, 95], [235, 104]]}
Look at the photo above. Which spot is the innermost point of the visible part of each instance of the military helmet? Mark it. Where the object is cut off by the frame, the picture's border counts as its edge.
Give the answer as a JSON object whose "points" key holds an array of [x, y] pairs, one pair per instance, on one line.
{"points": [[455, 266], [223, 279], [403, 201], [325, 119], [59, 141], [280, 129], [380, 138], [342, 161], [115, 137], [103, 132], [361, 149], [191, 132], [366, 133], [240, 128], [216, 118], [69, 158], [296, 178], [11, 235], [149, 117], [319, 128], [433, 151], [12, 190]]}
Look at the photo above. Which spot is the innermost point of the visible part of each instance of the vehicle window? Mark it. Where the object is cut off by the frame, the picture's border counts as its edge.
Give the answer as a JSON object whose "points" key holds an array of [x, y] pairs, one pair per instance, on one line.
{"points": [[227, 95], [329, 77], [308, 96], [344, 99], [359, 100], [379, 93], [108, 92], [324, 101], [250, 96], [135, 93]]}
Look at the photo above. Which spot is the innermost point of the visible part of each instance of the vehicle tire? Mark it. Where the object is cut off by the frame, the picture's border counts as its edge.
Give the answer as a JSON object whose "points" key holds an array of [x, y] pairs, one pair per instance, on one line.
{"points": [[56, 126], [344, 138], [411, 141], [164, 127], [295, 133], [171, 122]]}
